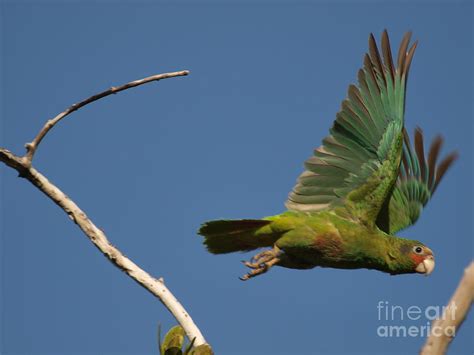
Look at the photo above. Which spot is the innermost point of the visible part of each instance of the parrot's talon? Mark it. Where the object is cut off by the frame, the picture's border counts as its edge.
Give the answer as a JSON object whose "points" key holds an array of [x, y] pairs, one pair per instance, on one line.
{"points": [[263, 256], [261, 263], [248, 264], [253, 265]]}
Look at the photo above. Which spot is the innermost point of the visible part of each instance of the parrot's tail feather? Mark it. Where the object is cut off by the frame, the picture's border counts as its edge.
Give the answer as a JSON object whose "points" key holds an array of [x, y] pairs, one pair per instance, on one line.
{"points": [[227, 236]]}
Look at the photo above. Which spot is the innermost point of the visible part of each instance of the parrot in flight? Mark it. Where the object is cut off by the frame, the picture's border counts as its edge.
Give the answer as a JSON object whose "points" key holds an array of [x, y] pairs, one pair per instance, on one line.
{"points": [[362, 185]]}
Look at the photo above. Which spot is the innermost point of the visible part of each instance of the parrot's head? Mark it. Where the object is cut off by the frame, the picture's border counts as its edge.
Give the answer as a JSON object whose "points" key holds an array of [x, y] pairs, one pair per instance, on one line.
{"points": [[419, 257]]}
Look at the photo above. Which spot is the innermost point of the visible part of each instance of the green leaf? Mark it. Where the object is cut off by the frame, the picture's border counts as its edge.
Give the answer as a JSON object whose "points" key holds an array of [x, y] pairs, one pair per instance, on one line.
{"points": [[173, 341]]}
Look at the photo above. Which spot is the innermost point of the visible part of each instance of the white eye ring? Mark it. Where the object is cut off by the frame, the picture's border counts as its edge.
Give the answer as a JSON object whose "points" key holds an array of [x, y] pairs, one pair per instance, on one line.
{"points": [[418, 249]]}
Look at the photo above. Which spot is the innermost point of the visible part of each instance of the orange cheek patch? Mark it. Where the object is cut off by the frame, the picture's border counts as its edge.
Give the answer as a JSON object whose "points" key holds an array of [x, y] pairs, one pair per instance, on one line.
{"points": [[417, 258]]}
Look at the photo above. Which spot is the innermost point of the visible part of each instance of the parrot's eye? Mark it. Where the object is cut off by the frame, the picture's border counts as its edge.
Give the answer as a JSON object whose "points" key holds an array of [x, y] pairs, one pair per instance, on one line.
{"points": [[418, 250]]}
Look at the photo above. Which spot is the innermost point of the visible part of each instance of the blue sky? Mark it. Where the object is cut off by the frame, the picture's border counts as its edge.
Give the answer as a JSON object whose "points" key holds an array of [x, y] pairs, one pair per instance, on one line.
{"points": [[150, 164]]}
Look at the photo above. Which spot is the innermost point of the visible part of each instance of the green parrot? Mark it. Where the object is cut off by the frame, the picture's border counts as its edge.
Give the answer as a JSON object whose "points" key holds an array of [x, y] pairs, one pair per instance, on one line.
{"points": [[361, 186]]}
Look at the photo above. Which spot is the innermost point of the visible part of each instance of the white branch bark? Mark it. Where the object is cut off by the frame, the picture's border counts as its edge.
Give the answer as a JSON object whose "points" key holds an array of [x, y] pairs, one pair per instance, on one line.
{"points": [[445, 328], [24, 167]]}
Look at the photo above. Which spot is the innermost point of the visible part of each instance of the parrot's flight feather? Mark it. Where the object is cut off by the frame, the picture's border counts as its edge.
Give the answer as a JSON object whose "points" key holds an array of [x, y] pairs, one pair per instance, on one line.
{"points": [[357, 164], [416, 183]]}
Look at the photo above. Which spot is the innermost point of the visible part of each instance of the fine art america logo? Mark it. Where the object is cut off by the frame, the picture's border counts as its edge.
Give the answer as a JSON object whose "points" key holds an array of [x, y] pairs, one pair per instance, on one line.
{"points": [[399, 322]]}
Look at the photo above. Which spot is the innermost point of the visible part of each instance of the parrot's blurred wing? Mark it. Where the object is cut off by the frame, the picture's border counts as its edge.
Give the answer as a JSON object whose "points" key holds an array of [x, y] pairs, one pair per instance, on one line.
{"points": [[418, 179], [358, 162]]}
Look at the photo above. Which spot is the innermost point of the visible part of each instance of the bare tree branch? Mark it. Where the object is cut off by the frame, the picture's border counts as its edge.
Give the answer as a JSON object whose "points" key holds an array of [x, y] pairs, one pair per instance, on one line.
{"points": [[33, 146], [445, 328], [95, 235]]}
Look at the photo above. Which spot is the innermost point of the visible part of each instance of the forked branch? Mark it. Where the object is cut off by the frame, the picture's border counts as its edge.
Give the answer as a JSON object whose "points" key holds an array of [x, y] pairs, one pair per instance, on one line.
{"points": [[96, 236]]}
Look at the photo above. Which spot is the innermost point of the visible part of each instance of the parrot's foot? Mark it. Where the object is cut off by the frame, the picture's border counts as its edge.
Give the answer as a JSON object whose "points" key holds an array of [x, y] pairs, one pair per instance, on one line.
{"points": [[261, 263]]}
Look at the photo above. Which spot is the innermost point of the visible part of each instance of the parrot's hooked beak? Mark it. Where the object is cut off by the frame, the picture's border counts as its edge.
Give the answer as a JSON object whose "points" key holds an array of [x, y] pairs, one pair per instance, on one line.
{"points": [[427, 266]]}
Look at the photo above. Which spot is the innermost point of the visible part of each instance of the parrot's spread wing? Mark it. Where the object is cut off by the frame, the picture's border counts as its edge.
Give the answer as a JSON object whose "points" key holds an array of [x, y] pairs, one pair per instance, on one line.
{"points": [[358, 162], [418, 179]]}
